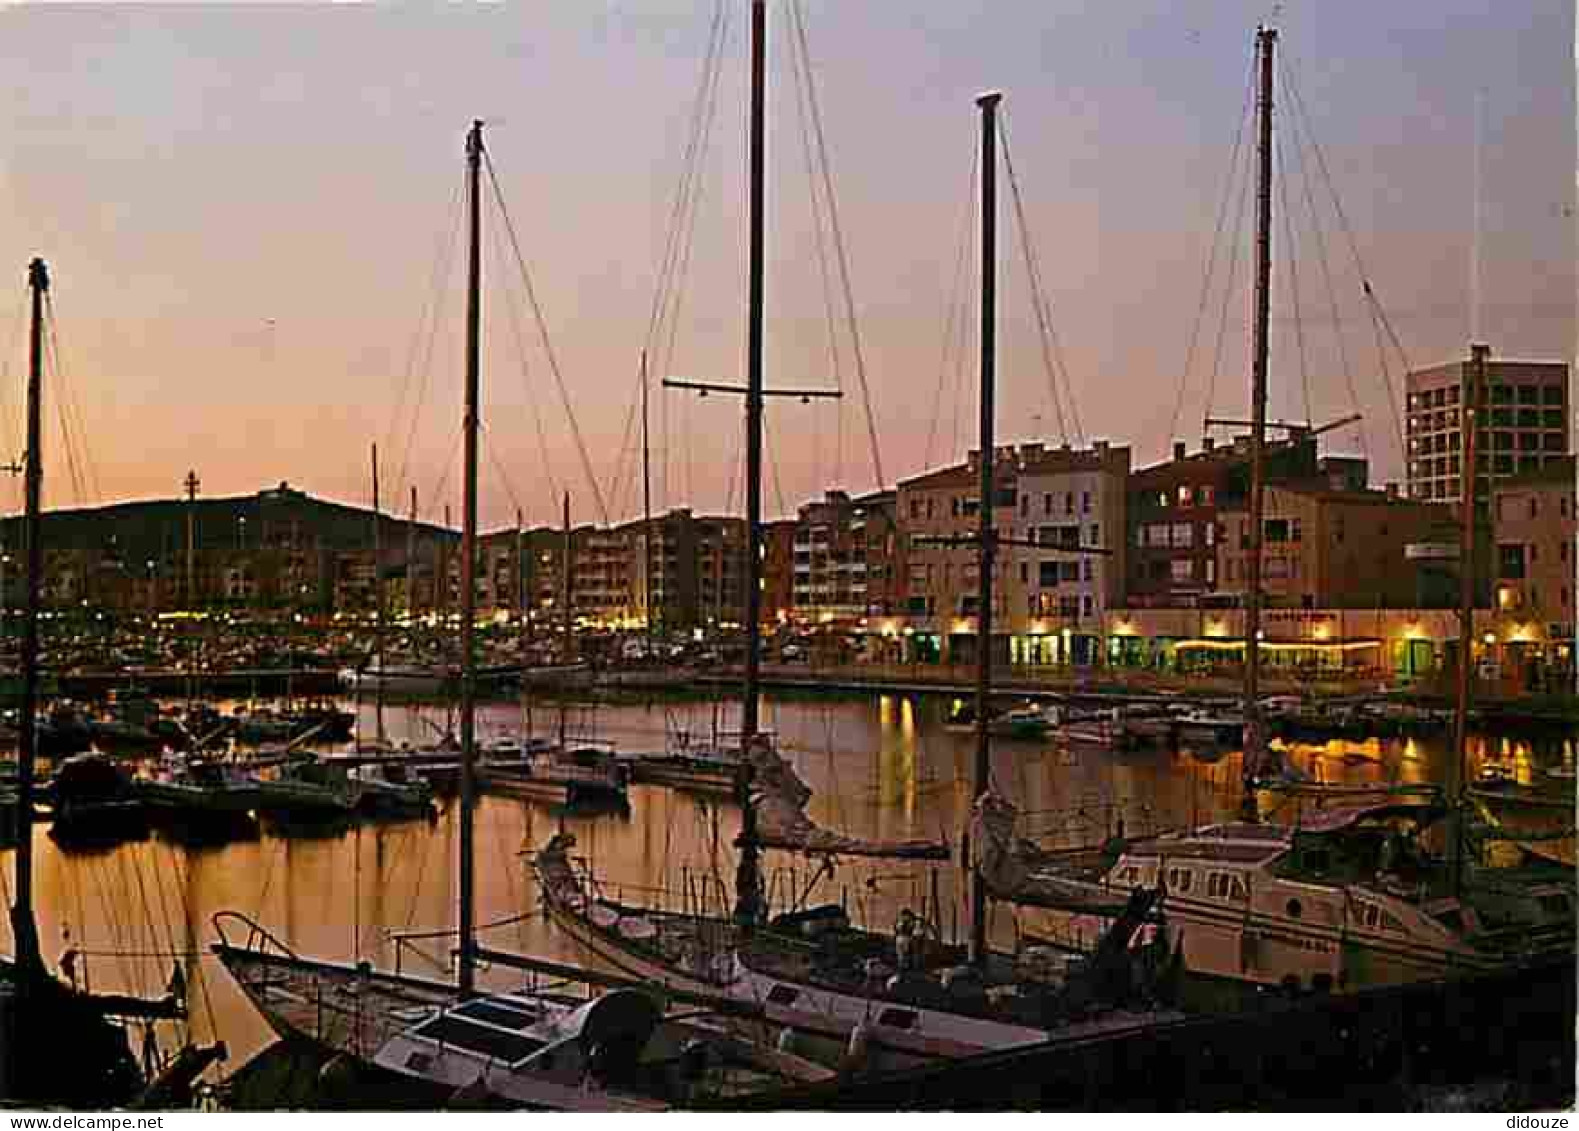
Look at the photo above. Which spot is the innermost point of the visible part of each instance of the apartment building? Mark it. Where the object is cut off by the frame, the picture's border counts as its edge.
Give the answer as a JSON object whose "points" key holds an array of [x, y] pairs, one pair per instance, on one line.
{"points": [[1523, 426], [1330, 549]]}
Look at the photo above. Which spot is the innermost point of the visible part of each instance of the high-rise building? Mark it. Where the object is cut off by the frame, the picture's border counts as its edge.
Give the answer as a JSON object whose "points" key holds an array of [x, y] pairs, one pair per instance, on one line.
{"points": [[1524, 427]]}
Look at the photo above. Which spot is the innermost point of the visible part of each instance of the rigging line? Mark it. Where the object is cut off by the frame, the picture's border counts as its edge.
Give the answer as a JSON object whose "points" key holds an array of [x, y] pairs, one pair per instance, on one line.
{"points": [[1293, 275], [665, 355], [661, 356], [148, 914], [799, 25], [424, 338], [773, 464], [449, 466], [444, 241], [681, 202], [1348, 232], [159, 894], [628, 458], [498, 465], [73, 469], [1380, 315], [73, 407], [1228, 289], [519, 337], [663, 292], [1027, 254], [197, 969], [13, 430], [542, 329], [736, 465], [819, 241], [52, 362], [1332, 294], [951, 305], [1211, 260]]}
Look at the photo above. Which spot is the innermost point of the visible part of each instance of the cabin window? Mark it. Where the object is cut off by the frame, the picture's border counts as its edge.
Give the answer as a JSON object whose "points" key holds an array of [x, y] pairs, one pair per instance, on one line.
{"points": [[783, 995], [1294, 909], [1179, 879], [1238, 892], [1372, 915], [1389, 923], [897, 1018]]}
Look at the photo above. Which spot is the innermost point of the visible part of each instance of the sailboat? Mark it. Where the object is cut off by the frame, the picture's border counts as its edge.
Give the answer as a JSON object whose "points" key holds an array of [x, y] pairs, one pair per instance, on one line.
{"points": [[568, 773], [434, 1043], [873, 999], [58, 1044], [1352, 897]]}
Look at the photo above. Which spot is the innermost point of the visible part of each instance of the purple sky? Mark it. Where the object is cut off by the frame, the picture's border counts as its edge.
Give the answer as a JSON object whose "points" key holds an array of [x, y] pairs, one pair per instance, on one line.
{"points": [[242, 207]]}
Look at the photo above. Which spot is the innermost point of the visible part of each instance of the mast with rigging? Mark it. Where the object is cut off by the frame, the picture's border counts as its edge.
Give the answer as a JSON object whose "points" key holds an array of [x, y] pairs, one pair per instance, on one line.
{"points": [[468, 942], [378, 604], [646, 504], [1473, 399], [29, 961], [1266, 42], [986, 541]]}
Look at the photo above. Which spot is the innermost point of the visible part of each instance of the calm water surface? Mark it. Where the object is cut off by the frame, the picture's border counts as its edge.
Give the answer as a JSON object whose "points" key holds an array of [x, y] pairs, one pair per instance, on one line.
{"points": [[882, 767]]}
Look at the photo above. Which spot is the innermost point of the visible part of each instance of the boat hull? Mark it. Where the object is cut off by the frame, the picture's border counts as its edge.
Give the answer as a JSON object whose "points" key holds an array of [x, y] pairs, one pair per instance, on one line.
{"points": [[900, 1035]]}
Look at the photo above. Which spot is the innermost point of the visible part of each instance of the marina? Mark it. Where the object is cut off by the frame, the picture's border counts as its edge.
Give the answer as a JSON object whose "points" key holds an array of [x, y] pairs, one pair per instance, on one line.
{"points": [[879, 767], [1032, 776]]}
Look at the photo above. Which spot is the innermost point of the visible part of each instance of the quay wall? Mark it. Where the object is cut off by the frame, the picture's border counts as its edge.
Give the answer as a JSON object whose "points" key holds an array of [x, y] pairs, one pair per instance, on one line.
{"points": [[1380, 1048]]}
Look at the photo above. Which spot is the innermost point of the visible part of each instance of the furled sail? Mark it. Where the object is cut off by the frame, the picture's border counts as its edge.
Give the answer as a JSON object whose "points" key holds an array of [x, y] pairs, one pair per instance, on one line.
{"points": [[779, 797], [1016, 871]]}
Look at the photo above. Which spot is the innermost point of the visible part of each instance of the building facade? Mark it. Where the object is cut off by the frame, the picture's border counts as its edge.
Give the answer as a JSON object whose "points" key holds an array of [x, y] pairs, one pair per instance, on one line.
{"points": [[1174, 508], [1071, 503], [1061, 565], [1524, 424], [1330, 549], [1534, 527]]}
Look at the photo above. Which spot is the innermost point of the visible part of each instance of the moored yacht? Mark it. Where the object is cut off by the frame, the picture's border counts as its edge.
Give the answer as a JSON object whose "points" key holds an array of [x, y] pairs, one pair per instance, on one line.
{"points": [[1349, 898]]}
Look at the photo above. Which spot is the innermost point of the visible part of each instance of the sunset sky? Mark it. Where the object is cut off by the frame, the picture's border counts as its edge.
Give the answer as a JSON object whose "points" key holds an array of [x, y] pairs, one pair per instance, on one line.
{"points": [[243, 208]]}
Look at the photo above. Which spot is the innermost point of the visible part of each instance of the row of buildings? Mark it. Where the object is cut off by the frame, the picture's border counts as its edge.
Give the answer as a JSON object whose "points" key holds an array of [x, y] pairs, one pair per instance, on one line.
{"points": [[1101, 562]]}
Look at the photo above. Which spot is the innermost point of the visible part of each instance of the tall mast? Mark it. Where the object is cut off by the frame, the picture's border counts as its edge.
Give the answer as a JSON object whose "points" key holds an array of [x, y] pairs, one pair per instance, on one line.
{"points": [[754, 398], [986, 535], [1266, 41], [191, 483], [23, 929], [469, 558], [1470, 399], [520, 584], [646, 504], [565, 654], [378, 603], [564, 582], [411, 560]]}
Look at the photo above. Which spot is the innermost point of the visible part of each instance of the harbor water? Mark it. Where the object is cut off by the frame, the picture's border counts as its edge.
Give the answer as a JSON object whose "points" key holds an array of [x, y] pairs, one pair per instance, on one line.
{"points": [[879, 766]]}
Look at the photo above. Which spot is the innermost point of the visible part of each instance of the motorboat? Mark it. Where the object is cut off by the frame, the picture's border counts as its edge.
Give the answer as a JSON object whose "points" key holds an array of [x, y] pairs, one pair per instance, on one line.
{"points": [[1346, 899]]}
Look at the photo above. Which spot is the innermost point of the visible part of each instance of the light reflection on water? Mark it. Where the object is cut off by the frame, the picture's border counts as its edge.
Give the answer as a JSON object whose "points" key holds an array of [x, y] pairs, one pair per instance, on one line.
{"points": [[884, 767]]}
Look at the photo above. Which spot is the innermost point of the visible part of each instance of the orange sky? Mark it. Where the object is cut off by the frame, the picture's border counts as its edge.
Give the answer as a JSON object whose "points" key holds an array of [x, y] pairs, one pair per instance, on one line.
{"points": [[243, 208]]}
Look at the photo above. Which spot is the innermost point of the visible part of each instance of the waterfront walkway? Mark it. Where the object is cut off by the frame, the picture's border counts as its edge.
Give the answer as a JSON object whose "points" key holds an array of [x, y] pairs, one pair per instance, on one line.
{"points": [[1123, 684]]}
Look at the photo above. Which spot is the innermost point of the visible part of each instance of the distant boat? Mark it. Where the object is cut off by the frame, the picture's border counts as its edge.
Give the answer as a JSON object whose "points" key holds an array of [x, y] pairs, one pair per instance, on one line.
{"points": [[399, 678], [94, 802]]}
